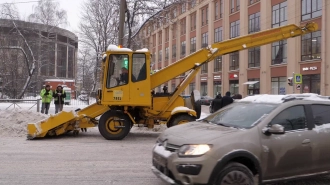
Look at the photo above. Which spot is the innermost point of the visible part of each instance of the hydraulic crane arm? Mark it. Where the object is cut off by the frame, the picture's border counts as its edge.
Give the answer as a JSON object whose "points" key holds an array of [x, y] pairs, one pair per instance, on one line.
{"points": [[208, 54]]}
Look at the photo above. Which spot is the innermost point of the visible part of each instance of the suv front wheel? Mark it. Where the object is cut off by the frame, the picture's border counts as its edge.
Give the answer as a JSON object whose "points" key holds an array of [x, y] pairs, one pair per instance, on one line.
{"points": [[234, 174]]}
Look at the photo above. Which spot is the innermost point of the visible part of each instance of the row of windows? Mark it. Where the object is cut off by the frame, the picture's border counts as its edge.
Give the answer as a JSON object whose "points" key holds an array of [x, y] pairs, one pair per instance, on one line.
{"points": [[309, 9], [310, 50]]}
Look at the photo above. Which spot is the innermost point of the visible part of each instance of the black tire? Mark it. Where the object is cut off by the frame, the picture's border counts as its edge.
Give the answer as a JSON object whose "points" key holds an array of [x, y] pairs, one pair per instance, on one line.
{"points": [[114, 125], [234, 173], [181, 119]]}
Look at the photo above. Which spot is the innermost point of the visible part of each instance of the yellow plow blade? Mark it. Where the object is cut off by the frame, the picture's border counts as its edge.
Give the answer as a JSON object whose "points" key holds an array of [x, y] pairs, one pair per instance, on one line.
{"points": [[66, 121]]}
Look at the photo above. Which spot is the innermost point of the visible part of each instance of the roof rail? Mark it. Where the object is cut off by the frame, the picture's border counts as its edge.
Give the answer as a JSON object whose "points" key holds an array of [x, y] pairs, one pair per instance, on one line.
{"points": [[306, 96]]}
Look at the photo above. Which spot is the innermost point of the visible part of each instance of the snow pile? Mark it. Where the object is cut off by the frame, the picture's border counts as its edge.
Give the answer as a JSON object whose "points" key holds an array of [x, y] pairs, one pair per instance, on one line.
{"points": [[13, 123]]}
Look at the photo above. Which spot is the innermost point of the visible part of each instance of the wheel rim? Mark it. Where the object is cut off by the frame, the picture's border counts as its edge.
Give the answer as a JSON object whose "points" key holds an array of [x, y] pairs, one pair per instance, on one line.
{"points": [[111, 124], [235, 178]]}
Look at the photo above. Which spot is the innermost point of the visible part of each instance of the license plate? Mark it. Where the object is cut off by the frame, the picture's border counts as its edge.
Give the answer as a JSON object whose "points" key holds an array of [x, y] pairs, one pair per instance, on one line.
{"points": [[159, 160]]}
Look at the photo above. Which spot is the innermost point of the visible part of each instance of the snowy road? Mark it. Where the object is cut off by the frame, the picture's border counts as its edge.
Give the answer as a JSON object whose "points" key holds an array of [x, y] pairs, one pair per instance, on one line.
{"points": [[86, 160]]}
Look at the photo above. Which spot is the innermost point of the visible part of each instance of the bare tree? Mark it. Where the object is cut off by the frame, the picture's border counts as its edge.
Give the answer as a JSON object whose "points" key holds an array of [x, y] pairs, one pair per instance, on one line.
{"points": [[85, 69], [98, 29], [48, 13]]}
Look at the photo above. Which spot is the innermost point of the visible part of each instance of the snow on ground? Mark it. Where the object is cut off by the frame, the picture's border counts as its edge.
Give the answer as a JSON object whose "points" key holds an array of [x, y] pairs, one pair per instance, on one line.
{"points": [[13, 123]]}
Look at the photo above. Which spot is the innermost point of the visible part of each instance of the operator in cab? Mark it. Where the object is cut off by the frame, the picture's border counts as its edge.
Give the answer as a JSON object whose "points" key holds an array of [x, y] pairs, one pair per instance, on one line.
{"points": [[123, 77]]}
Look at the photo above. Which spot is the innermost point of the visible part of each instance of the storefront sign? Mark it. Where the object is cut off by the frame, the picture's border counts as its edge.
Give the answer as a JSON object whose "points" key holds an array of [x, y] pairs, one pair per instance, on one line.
{"points": [[203, 78], [233, 75], [216, 77], [309, 68]]}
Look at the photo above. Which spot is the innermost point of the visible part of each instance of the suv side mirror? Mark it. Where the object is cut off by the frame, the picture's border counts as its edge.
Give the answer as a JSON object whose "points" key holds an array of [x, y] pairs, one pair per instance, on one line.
{"points": [[275, 129]]}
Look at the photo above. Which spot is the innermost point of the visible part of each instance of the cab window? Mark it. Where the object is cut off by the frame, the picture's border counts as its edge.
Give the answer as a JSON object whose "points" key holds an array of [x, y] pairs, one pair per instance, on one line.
{"points": [[139, 68], [118, 70]]}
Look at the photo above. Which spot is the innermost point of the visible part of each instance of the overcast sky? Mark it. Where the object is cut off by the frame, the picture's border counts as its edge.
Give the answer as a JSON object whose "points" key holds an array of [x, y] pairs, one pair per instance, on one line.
{"points": [[72, 7]]}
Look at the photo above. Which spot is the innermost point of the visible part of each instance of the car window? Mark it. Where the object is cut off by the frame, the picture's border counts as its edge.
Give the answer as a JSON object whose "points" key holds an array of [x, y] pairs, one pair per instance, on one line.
{"points": [[240, 114], [292, 118], [321, 114]]}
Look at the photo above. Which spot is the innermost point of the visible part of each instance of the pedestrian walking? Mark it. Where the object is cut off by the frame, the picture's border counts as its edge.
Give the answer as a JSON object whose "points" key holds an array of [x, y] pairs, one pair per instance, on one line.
{"points": [[226, 100], [216, 103], [59, 96], [46, 97]]}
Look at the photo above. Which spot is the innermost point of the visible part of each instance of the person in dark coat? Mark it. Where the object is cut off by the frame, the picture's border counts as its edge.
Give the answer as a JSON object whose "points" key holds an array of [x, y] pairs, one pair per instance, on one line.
{"points": [[59, 96], [216, 103], [226, 100]]}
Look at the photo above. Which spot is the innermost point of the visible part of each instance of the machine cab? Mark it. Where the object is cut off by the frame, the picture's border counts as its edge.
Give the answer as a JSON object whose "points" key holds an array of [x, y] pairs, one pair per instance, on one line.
{"points": [[126, 77]]}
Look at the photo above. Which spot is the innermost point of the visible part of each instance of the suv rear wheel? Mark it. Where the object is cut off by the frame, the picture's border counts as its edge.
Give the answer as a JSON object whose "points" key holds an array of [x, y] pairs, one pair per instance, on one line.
{"points": [[234, 174]]}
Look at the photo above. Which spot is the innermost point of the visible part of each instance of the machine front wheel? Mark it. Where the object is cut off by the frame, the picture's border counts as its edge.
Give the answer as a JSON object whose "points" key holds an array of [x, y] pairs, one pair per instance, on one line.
{"points": [[180, 119], [114, 125]]}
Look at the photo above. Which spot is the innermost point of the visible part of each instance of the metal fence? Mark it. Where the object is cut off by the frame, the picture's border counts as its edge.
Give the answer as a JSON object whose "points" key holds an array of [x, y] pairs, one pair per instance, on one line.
{"points": [[20, 103]]}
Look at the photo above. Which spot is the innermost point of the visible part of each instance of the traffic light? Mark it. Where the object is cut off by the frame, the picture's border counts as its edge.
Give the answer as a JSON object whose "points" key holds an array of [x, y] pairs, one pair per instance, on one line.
{"points": [[290, 82]]}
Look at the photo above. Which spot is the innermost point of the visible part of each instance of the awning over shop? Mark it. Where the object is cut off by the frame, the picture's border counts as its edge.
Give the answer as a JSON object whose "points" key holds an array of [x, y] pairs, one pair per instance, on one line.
{"points": [[250, 82]]}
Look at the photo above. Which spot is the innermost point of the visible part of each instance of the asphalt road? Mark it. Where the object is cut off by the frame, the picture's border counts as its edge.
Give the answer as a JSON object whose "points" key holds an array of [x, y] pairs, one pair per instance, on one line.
{"points": [[88, 159], [84, 160]]}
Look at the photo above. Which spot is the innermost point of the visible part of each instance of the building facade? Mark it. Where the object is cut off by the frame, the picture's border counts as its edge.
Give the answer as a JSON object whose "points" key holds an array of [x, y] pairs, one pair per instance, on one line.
{"points": [[54, 50], [187, 27]]}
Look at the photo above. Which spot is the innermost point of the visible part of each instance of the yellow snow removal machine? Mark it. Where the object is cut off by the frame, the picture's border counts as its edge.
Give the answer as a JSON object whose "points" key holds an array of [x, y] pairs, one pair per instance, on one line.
{"points": [[126, 97]]}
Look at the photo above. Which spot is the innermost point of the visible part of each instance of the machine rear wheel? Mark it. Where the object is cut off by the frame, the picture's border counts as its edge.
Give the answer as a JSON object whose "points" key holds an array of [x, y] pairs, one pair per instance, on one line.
{"points": [[114, 125], [181, 119]]}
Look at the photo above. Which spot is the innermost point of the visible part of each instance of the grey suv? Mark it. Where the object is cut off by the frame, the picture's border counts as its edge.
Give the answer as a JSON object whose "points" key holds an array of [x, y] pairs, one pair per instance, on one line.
{"points": [[256, 140]]}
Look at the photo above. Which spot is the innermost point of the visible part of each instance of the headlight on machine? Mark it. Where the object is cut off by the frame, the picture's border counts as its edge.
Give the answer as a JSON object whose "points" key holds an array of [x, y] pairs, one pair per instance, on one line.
{"points": [[193, 150]]}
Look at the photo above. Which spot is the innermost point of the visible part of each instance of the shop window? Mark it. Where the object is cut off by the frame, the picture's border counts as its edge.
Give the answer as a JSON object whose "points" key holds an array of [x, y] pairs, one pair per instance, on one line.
{"points": [[279, 15], [311, 84], [191, 87], [234, 61], [173, 86], [278, 85], [311, 9], [218, 64], [217, 87], [311, 46], [233, 86], [254, 22], [203, 88], [279, 52], [253, 88], [254, 57]]}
